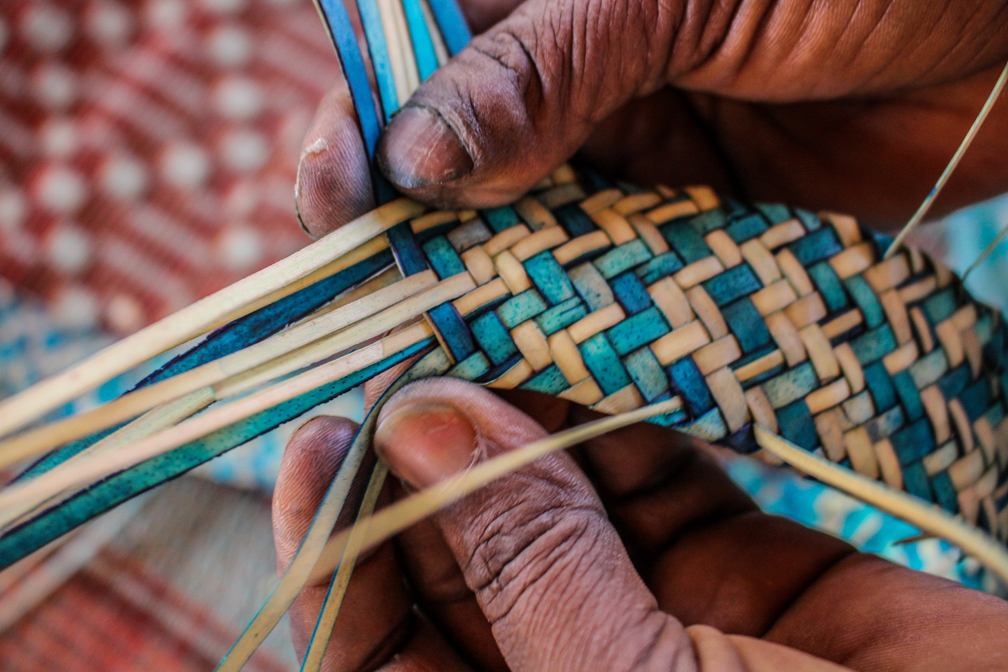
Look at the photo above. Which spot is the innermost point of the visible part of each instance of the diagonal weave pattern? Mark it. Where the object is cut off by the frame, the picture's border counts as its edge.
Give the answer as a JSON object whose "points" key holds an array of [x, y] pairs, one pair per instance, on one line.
{"points": [[615, 297]]}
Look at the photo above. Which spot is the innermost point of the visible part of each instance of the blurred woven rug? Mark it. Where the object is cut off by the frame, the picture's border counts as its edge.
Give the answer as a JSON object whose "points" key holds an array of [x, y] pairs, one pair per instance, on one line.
{"points": [[165, 583]]}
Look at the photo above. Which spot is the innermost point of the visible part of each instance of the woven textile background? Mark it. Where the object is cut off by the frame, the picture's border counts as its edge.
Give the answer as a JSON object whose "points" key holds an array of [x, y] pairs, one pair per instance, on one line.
{"points": [[149, 147]]}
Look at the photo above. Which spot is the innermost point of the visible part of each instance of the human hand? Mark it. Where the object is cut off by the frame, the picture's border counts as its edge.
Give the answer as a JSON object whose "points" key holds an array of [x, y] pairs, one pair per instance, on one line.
{"points": [[851, 106], [632, 552]]}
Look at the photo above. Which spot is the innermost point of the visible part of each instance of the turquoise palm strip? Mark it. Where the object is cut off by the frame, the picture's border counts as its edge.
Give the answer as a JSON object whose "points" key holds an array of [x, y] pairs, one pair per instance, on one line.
{"points": [[116, 489], [453, 25], [434, 363], [423, 46], [235, 336], [380, 61]]}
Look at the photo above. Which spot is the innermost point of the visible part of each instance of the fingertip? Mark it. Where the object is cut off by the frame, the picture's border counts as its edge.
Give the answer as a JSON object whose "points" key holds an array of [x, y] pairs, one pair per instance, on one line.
{"points": [[311, 460], [424, 442], [419, 149], [333, 180]]}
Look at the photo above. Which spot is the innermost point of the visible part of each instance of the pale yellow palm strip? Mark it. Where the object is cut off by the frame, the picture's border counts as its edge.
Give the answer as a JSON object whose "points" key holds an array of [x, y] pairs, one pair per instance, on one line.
{"points": [[928, 518], [34, 492], [21, 409], [243, 369]]}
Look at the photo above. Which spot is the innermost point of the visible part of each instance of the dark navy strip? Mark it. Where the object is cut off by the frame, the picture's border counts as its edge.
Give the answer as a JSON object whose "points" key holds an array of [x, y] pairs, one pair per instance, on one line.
{"points": [[341, 31], [230, 338], [380, 60], [423, 46], [116, 489]]}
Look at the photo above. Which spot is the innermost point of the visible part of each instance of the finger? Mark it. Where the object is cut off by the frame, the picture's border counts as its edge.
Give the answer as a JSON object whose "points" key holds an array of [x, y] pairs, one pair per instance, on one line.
{"points": [[333, 181], [434, 574], [551, 71], [376, 618], [546, 74], [700, 543], [885, 617], [547, 569], [442, 594], [712, 558]]}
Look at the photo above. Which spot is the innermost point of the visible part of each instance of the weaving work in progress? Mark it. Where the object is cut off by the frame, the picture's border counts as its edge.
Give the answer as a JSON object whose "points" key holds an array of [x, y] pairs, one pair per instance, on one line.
{"points": [[805, 339]]}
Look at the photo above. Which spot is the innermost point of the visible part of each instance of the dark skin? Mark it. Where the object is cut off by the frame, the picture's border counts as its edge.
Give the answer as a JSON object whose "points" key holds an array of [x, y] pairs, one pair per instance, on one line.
{"points": [[636, 551], [851, 105], [633, 552]]}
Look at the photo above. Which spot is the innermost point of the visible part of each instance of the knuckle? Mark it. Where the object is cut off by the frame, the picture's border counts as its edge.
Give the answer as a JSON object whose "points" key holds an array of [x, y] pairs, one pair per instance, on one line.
{"points": [[530, 552], [511, 51]]}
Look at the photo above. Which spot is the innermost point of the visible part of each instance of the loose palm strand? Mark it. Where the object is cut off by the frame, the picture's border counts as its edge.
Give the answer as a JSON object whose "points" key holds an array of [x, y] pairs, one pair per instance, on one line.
{"points": [[953, 163], [341, 579], [280, 279], [929, 519], [395, 518]]}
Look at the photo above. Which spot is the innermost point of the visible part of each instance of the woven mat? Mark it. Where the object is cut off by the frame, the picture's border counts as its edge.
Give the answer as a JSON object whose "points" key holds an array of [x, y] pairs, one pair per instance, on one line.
{"points": [[114, 616]]}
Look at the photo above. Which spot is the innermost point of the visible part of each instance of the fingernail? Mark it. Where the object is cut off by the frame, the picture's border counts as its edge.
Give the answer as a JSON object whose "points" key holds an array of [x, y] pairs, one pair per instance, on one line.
{"points": [[424, 443], [419, 149]]}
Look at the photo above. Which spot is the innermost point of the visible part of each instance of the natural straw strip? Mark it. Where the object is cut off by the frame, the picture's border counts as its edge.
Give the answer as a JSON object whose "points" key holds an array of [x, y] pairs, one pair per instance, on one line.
{"points": [[395, 50], [928, 519], [987, 251], [435, 32], [277, 355], [351, 258], [304, 560], [36, 491], [397, 517], [406, 45], [341, 580], [229, 303]]}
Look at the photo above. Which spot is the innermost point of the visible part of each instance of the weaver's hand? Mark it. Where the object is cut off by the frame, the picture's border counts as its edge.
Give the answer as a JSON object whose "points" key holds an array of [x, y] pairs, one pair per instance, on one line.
{"points": [[633, 552], [850, 105]]}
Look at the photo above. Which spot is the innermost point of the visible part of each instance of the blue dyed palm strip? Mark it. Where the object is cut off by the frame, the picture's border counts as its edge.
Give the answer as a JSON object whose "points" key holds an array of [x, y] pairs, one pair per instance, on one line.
{"points": [[423, 46], [381, 63], [116, 489], [49, 525], [232, 337], [342, 33], [453, 25]]}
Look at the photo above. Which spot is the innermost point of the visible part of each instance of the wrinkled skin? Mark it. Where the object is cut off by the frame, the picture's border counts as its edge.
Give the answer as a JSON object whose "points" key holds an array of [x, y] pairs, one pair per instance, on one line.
{"points": [[635, 551], [846, 105]]}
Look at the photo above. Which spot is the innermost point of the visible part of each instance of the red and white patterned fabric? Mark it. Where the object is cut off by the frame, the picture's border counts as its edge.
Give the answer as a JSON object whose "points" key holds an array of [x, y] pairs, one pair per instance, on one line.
{"points": [[115, 616], [148, 148]]}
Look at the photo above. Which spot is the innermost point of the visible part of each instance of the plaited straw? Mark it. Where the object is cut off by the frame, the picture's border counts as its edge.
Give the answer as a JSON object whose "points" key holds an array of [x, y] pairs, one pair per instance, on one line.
{"points": [[767, 314], [710, 315]]}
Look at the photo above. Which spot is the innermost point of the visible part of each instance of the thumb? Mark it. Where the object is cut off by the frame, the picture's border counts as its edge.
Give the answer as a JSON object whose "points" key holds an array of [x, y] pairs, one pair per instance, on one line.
{"points": [[522, 97], [548, 570]]}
